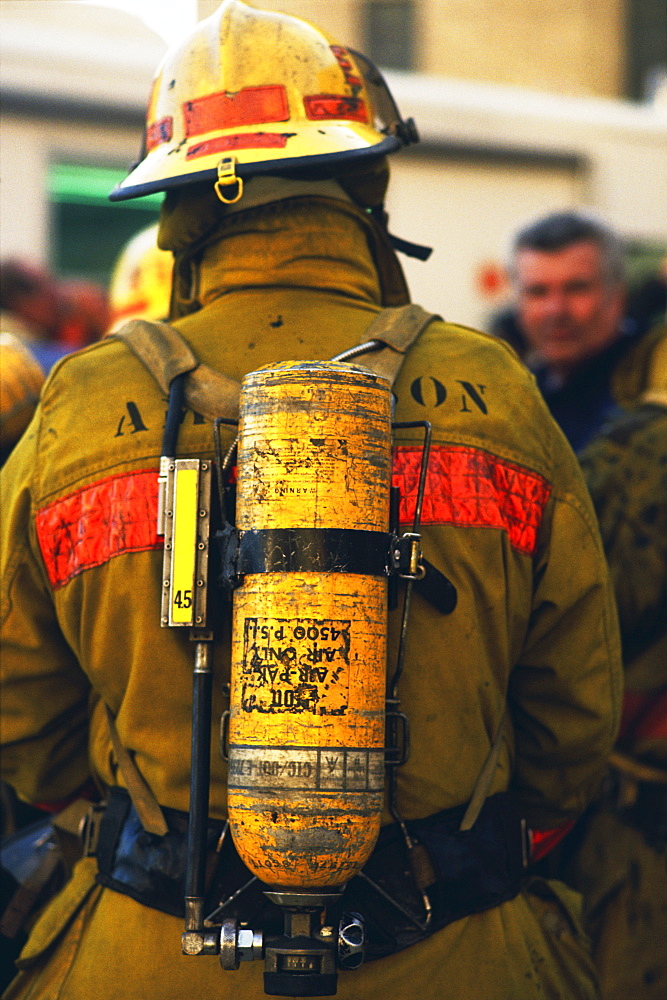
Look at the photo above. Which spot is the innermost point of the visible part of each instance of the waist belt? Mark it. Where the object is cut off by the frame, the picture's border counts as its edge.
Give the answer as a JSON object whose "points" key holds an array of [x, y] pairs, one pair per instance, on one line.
{"points": [[472, 870]]}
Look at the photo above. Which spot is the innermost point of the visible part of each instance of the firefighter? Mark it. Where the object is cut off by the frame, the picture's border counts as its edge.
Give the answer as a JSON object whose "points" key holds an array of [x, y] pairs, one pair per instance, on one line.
{"points": [[21, 379], [141, 280], [270, 142], [619, 861]]}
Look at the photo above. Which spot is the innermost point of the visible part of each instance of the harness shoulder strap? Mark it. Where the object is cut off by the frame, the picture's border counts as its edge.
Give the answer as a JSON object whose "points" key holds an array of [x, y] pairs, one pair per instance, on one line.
{"points": [[396, 330], [160, 347], [166, 354], [399, 328]]}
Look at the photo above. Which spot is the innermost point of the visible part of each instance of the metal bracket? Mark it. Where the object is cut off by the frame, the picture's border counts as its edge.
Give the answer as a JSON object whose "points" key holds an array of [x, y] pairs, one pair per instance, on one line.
{"points": [[184, 519], [90, 829]]}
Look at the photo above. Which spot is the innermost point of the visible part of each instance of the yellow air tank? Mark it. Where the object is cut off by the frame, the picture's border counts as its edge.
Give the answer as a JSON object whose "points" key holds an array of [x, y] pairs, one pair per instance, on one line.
{"points": [[306, 728]]}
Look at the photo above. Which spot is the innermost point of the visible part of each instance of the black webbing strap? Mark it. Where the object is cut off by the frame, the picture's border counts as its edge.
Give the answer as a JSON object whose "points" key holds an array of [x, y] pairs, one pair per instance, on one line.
{"points": [[166, 354], [316, 550], [473, 870]]}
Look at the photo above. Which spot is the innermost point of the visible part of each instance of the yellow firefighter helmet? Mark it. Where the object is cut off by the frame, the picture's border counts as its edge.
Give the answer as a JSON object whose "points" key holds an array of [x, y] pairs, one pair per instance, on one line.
{"points": [[21, 379], [140, 286], [252, 91]]}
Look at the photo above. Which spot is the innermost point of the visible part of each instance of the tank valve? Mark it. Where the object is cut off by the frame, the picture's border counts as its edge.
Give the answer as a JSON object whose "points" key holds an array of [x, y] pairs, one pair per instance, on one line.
{"points": [[303, 961], [351, 941], [239, 944]]}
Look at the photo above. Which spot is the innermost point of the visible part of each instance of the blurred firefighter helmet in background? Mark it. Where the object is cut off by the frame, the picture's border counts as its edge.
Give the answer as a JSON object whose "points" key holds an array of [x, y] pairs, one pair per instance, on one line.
{"points": [[256, 92], [21, 379], [140, 286]]}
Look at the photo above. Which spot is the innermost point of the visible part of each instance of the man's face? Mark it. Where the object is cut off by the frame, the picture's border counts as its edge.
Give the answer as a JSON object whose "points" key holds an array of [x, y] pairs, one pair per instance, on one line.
{"points": [[568, 311]]}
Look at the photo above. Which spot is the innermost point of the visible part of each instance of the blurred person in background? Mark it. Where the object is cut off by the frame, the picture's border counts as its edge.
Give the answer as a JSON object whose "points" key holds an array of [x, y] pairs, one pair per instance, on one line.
{"points": [[85, 314], [618, 859], [513, 698], [30, 293], [571, 324], [140, 286], [600, 359], [21, 379], [619, 865], [58, 316]]}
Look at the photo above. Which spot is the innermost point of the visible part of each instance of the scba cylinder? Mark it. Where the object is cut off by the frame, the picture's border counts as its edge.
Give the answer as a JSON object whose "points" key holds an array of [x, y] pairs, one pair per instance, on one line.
{"points": [[306, 729]]}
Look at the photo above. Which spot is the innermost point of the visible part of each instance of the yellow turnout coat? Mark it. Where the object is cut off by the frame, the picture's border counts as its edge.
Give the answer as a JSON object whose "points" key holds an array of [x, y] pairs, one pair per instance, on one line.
{"points": [[506, 517]]}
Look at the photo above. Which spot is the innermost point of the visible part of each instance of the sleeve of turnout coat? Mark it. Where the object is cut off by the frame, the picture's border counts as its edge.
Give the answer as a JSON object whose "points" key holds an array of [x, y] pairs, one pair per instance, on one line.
{"points": [[44, 722]]}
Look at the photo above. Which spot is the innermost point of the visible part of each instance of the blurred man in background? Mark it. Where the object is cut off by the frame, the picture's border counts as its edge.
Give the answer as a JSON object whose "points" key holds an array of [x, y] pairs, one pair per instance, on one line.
{"points": [[602, 368], [590, 360], [619, 856]]}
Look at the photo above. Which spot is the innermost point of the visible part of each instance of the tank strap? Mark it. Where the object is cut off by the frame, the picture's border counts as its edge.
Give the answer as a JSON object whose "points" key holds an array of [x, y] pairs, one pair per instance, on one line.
{"points": [[166, 354], [147, 807], [397, 329], [484, 779]]}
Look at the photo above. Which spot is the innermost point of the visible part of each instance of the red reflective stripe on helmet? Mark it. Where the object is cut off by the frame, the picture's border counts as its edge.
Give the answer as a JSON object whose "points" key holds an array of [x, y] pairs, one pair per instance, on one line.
{"points": [[543, 841], [159, 132], [245, 140], [98, 522], [250, 106], [132, 308], [472, 488], [324, 107], [349, 72]]}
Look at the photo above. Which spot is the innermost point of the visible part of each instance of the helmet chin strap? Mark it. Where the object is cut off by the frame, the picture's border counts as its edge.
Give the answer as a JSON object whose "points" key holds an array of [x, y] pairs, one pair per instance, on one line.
{"points": [[264, 189], [416, 250]]}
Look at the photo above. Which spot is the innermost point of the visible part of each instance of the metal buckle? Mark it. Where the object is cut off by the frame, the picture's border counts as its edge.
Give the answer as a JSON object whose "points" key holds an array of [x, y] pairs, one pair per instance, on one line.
{"points": [[90, 829], [526, 843], [228, 178]]}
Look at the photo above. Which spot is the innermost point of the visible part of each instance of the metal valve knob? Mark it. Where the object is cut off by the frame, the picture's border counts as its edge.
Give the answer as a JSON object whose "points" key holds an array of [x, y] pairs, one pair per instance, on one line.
{"points": [[351, 941], [239, 944]]}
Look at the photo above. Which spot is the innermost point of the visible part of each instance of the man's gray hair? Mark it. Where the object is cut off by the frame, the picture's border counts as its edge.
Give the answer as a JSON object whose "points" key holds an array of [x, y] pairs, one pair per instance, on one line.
{"points": [[562, 229]]}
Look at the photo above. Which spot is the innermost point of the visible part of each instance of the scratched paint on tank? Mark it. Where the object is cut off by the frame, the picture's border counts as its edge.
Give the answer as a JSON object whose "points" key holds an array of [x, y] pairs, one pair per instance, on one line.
{"points": [[306, 736]]}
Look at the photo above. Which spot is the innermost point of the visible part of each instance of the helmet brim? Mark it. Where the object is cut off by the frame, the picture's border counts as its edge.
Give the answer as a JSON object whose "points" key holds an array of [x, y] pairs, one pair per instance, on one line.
{"points": [[151, 175]]}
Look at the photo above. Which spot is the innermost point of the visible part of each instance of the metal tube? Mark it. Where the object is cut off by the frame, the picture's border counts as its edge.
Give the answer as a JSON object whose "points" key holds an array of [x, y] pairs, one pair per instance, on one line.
{"points": [[200, 766]]}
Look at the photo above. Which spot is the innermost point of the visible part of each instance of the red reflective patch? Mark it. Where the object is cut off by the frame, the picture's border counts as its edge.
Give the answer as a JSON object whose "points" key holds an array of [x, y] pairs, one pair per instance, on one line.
{"points": [[324, 107], [342, 57], [250, 106], [98, 522], [544, 841], [159, 132], [134, 308], [247, 140], [472, 488]]}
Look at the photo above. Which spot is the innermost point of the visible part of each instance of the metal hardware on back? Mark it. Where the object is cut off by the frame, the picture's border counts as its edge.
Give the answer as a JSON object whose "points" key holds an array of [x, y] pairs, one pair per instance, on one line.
{"points": [[90, 829], [184, 517]]}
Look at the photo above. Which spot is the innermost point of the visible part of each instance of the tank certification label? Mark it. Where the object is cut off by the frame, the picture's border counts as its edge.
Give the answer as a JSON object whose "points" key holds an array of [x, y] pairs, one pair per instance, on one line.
{"points": [[306, 768], [295, 665]]}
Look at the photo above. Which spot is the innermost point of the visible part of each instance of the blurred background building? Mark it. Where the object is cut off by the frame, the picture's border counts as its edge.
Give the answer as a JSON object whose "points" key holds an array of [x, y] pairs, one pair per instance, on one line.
{"points": [[523, 107]]}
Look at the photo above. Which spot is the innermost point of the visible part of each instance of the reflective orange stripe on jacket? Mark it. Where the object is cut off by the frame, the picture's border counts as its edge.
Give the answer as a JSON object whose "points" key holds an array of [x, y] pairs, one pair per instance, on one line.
{"points": [[471, 487], [92, 525], [464, 486]]}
